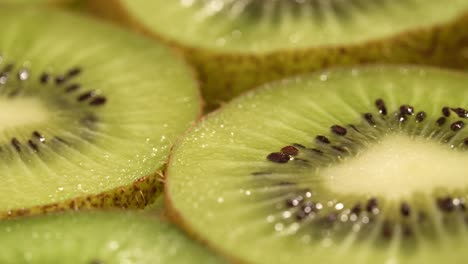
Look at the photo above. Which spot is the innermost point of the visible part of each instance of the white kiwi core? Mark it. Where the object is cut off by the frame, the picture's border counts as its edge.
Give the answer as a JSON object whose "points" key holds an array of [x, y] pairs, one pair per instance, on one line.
{"points": [[399, 166], [21, 111]]}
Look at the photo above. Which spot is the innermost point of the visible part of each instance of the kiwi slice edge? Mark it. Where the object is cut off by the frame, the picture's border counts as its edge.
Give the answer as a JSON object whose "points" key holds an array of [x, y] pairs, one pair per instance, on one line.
{"points": [[136, 184], [440, 44], [208, 206]]}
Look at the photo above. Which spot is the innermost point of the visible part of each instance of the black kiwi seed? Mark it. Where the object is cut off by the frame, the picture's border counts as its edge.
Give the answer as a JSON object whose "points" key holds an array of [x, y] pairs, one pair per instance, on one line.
{"points": [[99, 100], [380, 104], [420, 116], [446, 111], [33, 145], [406, 110], [45, 77], [322, 139], [405, 209], [72, 87], [85, 96], [463, 113], [73, 72], [59, 79], [278, 157], [401, 117], [371, 205], [339, 130], [441, 121], [456, 126], [290, 150], [356, 209], [465, 141], [446, 204], [16, 144], [370, 119], [39, 136]]}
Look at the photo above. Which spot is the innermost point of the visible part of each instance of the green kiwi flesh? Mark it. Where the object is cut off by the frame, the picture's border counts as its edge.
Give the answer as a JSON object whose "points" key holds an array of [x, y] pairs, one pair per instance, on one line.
{"points": [[230, 26], [238, 44], [88, 112], [356, 165], [98, 238]]}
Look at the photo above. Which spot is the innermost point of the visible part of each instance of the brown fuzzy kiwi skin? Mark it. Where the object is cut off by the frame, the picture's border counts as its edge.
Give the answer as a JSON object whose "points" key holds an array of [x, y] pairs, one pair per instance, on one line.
{"points": [[226, 75], [136, 195]]}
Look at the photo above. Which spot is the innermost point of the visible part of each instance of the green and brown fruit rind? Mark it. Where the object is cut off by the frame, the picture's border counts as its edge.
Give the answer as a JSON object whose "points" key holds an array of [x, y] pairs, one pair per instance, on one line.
{"points": [[226, 74], [135, 196]]}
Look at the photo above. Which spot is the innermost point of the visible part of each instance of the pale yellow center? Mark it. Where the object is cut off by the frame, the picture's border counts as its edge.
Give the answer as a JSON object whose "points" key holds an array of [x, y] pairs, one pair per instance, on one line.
{"points": [[21, 111], [399, 166]]}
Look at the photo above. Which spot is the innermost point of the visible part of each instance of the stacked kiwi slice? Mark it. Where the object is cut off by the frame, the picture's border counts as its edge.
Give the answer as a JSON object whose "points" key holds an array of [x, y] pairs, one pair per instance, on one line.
{"points": [[238, 44], [361, 165], [99, 238], [88, 113]]}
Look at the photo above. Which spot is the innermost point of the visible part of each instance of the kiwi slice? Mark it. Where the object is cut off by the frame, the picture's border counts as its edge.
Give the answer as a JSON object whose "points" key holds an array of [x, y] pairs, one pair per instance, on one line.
{"points": [[238, 44], [362, 165], [88, 112], [98, 238]]}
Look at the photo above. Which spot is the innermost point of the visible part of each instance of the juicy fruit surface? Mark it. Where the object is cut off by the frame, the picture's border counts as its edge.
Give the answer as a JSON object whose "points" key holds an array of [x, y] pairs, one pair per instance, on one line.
{"points": [[83, 112], [348, 166], [262, 26], [99, 237]]}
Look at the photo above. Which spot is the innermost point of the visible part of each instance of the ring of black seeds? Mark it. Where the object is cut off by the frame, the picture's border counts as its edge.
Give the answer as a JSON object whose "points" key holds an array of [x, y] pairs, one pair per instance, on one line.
{"points": [[91, 98], [306, 208]]}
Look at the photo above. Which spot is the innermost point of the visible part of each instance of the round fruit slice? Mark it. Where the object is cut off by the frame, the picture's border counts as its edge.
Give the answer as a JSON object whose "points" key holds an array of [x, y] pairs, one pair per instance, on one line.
{"points": [[88, 113], [348, 166], [98, 238], [238, 44]]}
